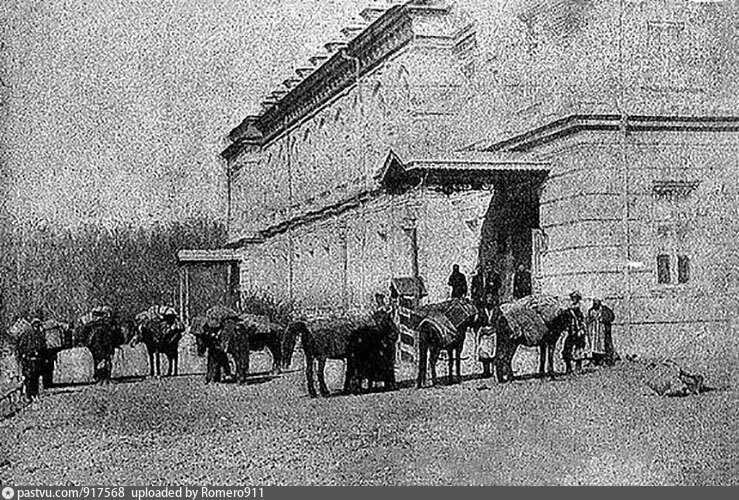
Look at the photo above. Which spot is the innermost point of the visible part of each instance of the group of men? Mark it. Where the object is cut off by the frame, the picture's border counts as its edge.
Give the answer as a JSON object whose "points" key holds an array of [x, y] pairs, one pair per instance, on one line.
{"points": [[589, 338], [486, 287]]}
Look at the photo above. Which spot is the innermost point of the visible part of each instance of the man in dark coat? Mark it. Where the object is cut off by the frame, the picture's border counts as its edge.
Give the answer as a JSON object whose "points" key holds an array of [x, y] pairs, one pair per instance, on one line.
{"points": [[477, 289], [521, 283], [575, 342], [492, 288], [458, 283], [31, 343]]}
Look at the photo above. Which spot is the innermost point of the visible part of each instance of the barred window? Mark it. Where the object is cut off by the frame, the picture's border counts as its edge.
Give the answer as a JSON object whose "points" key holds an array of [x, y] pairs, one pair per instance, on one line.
{"points": [[663, 269], [683, 269]]}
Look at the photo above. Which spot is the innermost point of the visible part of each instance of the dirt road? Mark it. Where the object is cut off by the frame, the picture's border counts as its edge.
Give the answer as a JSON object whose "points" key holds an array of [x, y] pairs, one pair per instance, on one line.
{"points": [[602, 427]]}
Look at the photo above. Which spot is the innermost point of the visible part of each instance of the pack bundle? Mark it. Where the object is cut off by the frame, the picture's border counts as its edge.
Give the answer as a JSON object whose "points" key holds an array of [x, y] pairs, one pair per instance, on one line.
{"points": [[158, 314], [261, 324], [19, 328], [528, 317], [667, 378], [216, 316], [58, 335]]}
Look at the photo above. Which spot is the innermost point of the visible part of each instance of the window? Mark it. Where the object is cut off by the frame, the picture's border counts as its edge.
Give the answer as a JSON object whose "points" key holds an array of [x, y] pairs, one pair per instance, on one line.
{"points": [[663, 269], [664, 274], [683, 269]]}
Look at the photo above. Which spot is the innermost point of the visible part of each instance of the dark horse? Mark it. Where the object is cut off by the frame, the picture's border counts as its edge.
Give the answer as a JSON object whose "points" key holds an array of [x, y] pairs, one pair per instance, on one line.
{"points": [[102, 337], [229, 337], [265, 335], [444, 327], [160, 337], [337, 338], [58, 337], [507, 344]]}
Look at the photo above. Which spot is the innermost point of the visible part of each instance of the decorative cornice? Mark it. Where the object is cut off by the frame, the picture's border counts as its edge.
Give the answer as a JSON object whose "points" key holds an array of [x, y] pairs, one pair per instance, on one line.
{"points": [[390, 30], [381, 38], [454, 173], [629, 123]]}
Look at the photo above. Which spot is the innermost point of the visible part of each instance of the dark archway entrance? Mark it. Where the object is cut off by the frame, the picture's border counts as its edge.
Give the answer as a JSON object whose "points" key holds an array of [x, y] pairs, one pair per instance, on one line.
{"points": [[507, 236]]}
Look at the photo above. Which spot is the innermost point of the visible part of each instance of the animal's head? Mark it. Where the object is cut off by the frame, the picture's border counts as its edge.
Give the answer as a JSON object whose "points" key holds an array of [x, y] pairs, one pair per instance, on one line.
{"points": [[235, 334], [202, 338], [122, 331], [384, 319]]}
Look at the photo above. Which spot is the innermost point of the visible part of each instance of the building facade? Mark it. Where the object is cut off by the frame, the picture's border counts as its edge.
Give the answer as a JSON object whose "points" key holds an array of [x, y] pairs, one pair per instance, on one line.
{"points": [[592, 141]]}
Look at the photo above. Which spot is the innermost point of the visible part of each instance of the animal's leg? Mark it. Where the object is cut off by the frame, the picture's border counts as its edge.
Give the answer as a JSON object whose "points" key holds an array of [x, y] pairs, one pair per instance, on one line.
{"points": [[276, 360], [247, 363], [550, 355], [542, 359], [48, 377], [309, 375], [450, 359], [458, 361], [321, 380], [349, 376], [240, 371], [172, 360], [158, 358], [505, 361], [433, 359], [422, 353], [208, 368], [151, 361], [211, 374], [390, 378]]}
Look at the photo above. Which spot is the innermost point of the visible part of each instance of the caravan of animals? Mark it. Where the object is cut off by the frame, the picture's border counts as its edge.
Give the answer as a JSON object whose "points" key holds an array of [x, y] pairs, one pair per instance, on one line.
{"points": [[367, 345]]}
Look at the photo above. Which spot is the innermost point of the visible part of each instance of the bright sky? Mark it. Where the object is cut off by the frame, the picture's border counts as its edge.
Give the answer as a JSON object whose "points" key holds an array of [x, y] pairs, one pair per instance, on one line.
{"points": [[117, 109]]}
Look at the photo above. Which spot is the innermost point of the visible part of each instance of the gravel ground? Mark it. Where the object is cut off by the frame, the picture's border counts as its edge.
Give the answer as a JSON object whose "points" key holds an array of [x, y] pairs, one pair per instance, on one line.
{"points": [[601, 427]]}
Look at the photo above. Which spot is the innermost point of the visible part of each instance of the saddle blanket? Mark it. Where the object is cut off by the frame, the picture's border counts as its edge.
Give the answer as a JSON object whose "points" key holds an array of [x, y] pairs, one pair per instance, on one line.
{"points": [[446, 332], [457, 310], [56, 334], [155, 313]]}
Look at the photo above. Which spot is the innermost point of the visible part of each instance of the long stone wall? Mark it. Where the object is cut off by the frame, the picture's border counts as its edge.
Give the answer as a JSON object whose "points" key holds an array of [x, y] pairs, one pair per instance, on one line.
{"points": [[338, 264]]}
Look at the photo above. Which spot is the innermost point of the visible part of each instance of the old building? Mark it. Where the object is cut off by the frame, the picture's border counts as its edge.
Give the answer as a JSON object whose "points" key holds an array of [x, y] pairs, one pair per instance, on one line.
{"points": [[594, 141]]}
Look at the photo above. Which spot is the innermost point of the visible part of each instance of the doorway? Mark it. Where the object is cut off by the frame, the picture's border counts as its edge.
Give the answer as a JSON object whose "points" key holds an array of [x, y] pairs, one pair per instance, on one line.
{"points": [[508, 228]]}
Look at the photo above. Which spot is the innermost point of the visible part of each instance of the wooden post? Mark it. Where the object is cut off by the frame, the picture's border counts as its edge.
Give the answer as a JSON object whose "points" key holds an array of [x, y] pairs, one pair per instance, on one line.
{"points": [[187, 294], [345, 268], [229, 290], [181, 276]]}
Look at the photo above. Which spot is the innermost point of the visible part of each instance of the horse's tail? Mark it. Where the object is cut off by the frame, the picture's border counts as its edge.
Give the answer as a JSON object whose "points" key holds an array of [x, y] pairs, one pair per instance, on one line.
{"points": [[423, 349], [289, 340], [298, 329]]}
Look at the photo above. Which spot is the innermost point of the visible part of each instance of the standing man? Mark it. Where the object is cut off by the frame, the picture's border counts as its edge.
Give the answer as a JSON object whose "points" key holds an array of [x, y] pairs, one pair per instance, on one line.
{"points": [[599, 321], [575, 343], [477, 289], [492, 288], [521, 282], [31, 343], [458, 283]]}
